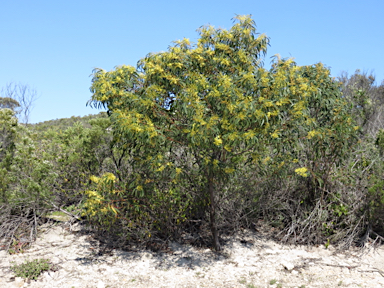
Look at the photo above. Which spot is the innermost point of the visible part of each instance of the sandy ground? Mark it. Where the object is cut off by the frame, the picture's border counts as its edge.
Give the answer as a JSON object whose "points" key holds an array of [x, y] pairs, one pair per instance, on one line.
{"points": [[247, 260]]}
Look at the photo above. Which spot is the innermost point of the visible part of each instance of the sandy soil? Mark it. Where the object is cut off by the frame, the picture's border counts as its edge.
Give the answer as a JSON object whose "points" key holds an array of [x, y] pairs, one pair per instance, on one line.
{"points": [[247, 260]]}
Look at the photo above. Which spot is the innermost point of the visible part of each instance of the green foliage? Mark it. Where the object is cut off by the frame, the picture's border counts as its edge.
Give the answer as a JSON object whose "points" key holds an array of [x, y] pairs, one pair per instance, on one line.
{"points": [[375, 197], [9, 103], [26, 182], [157, 214], [40, 171], [8, 124], [76, 153], [29, 178], [367, 100], [273, 282], [380, 141], [65, 123], [31, 269], [33, 177], [8, 130]]}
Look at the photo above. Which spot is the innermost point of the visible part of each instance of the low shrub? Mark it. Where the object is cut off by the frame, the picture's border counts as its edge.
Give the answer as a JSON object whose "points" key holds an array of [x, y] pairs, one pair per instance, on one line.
{"points": [[31, 269]]}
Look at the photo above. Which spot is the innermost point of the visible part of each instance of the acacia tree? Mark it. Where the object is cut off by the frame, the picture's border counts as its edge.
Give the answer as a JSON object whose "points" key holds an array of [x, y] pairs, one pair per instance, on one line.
{"points": [[212, 101]]}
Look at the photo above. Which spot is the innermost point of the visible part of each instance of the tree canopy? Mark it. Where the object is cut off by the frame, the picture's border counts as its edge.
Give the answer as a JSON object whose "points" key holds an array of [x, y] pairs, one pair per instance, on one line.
{"points": [[10, 103]]}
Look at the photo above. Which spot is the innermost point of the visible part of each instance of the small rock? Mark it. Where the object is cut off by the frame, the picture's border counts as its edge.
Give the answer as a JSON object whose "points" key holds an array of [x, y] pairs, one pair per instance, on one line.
{"points": [[287, 265], [100, 284]]}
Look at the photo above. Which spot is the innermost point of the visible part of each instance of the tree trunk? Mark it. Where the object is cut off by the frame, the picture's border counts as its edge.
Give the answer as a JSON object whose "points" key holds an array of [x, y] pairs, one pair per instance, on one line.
{"points": [[215, 235]]}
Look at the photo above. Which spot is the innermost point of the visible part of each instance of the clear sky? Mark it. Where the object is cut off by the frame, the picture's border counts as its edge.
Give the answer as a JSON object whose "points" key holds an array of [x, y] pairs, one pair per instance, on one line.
{"points": [[53, 45]]}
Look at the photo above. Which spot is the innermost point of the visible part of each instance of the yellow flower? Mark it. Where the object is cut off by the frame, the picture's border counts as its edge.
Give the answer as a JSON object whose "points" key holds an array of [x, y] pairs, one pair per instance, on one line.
{"points": [[226, 147], [225, 62], [304, 87], [274, 135], [109, 176], [113, 209], [178, 170], [268, 104], [311, 134], [265, 160], [186, 41], [232, 136], [139, 188], [94, 179], [161, 168], [273, 113], [241, 115], [218, 141], [302, 171], [248, 135], [229, 170]]}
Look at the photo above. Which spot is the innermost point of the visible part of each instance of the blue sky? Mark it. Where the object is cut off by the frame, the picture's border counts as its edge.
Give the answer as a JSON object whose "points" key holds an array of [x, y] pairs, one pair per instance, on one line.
{"points": [[53, 45]]}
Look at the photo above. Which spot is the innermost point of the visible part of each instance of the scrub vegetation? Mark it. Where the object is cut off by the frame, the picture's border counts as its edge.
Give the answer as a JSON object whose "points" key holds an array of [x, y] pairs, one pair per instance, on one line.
{"points": [[202, 140]]}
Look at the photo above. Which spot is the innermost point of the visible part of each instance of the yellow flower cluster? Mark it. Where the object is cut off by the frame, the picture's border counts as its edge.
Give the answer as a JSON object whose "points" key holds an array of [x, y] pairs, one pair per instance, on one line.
{"points": [[218, 141], [312, 134], [109, 176], [94, 179], [302, 171]]}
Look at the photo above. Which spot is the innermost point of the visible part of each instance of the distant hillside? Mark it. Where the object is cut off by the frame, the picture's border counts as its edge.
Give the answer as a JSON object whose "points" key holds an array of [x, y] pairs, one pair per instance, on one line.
{"points": [[64, 123]]}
